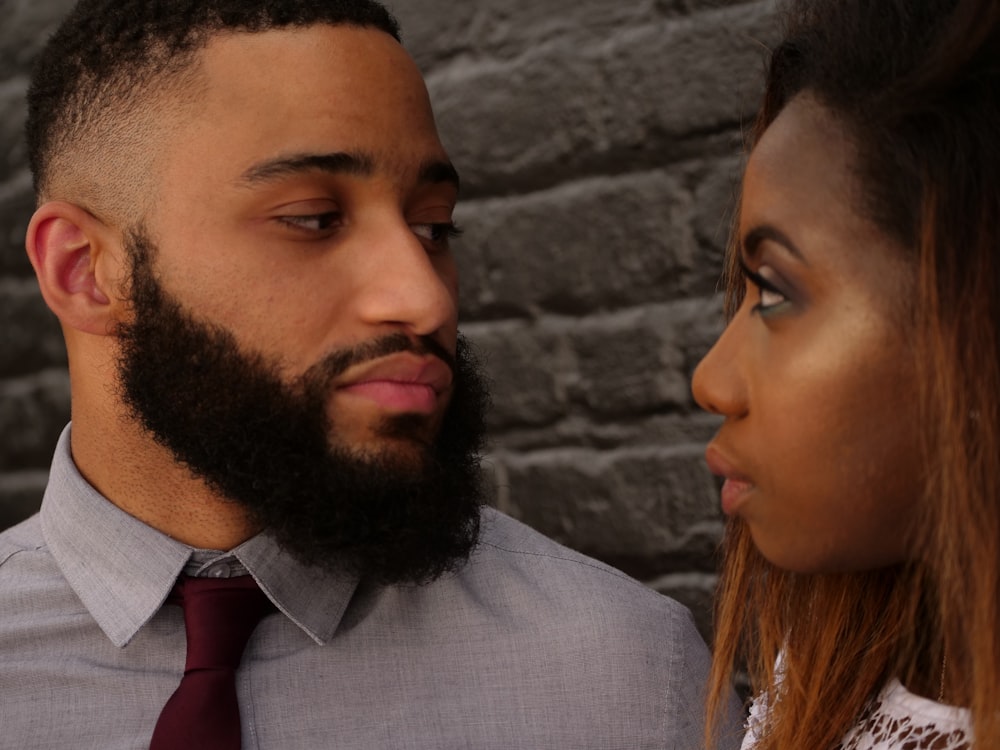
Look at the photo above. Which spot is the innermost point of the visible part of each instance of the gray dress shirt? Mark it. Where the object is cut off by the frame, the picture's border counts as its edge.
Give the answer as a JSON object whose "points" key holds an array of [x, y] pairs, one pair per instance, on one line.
{"points": [[530, 645]]}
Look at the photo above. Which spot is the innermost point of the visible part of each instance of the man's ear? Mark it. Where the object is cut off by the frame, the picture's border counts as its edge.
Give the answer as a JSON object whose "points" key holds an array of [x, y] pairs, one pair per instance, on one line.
{"points": [[76, 258]]}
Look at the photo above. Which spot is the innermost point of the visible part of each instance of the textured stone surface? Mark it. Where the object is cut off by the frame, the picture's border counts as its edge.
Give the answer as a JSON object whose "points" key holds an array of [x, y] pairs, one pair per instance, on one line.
{"points": [[600, 99], [16, 206], [33, 411], [599, 147], [595, 243], [646, 509], [26, 25], [29, 332], [19, 494]]}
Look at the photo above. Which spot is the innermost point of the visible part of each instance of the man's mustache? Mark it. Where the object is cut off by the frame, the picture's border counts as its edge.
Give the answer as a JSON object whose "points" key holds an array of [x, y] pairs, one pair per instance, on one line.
{"points": [[337, 363]]}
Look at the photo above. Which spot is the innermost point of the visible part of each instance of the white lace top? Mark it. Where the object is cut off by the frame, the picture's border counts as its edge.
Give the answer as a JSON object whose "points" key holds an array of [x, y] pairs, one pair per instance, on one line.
{"points": [[896, 720]]}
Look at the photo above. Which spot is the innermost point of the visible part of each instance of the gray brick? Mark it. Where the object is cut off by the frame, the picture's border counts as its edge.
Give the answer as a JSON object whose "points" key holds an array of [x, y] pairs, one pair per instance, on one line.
{"points": [[608, 368], [704, 323], [26, 25], [17, 203], [13, 110], [687, 7], [622, 100], [20, 495], [715, 198], [434, 31], [630, 363], [33, 412], [582, 431], [527, 368], [595, 244], [646, 510], [30, 338]]}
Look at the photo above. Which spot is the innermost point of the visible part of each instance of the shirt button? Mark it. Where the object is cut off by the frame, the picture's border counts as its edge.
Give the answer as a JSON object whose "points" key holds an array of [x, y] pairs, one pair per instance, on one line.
{"points": [[218, 571]]}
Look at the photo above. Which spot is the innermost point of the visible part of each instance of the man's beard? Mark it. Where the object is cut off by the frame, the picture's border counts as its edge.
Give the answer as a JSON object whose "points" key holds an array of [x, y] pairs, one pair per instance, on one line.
{"points": [[405, 513]]}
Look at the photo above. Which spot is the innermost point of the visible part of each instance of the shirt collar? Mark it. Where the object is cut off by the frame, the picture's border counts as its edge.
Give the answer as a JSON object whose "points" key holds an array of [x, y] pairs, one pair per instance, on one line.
{"points": [[123, 570]]}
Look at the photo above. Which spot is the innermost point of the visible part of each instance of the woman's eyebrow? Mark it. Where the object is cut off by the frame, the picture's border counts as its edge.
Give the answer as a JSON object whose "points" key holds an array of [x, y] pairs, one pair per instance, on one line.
{"points": [[752, 239]]}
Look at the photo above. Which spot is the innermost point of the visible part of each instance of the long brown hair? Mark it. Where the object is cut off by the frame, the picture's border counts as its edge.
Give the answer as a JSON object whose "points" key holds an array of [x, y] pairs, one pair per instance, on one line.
{"points": [[917, 86]]}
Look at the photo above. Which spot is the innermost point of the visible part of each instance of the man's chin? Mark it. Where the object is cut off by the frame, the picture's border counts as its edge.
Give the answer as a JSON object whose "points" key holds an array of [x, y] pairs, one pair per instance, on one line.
{"points": [[405, 452]]}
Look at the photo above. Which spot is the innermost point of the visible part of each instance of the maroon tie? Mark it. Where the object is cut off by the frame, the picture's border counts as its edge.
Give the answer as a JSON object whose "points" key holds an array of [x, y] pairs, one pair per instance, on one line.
{"points": [[219, 616]]}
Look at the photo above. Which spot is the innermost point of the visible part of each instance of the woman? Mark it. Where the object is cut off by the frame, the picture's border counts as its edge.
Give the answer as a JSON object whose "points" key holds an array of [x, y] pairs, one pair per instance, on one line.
{"points": [[859, 378]]}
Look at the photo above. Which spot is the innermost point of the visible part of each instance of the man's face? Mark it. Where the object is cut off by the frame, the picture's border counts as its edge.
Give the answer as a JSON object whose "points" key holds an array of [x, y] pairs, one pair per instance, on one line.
{"points": [[294, 334], [304, 207]]}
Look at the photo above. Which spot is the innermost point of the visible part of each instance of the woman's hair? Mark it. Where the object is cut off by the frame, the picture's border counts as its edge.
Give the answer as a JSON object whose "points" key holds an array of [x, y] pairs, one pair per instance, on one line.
{"points": [[916, 85]]}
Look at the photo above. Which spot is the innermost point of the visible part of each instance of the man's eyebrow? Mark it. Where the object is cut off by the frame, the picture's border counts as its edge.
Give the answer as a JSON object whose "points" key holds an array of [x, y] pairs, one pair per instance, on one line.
{"points": [[342, 162], [440, 172], [750, 244]]}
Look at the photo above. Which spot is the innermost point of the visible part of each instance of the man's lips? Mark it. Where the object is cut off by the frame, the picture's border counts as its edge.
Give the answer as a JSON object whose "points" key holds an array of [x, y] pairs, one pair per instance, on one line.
{"points": [[403, 382], [736, 488]]}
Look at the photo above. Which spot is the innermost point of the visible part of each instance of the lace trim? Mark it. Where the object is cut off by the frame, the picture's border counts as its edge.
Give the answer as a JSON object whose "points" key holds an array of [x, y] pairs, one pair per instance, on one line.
{"points": [[900, 720], [896, 720]]}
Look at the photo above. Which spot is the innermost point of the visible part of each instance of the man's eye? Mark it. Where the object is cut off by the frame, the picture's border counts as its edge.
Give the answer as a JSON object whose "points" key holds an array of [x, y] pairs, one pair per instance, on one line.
{"points": [[436, 233], [312, 222]]}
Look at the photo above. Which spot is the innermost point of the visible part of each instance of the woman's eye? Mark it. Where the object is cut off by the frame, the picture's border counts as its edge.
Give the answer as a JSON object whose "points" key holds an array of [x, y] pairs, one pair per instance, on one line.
{"points": [[312, 222], [769, 297], [438, 233]]}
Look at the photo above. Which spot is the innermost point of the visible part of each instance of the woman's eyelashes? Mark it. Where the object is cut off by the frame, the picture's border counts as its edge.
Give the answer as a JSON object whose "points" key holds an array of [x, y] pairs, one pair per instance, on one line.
{"points": [[770, 299]]}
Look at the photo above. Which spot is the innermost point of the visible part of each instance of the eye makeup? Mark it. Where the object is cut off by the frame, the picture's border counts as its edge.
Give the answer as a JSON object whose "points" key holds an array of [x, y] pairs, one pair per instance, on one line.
{"points": [[771, 299]]}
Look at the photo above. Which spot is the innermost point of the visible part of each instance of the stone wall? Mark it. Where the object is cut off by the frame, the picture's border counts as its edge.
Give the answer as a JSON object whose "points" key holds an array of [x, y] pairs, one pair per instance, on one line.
{"points": [[598, 142]]}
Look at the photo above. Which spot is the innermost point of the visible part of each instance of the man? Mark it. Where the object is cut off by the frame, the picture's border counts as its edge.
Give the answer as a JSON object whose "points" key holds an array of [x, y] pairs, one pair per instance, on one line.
{"points": [[243, 225]]}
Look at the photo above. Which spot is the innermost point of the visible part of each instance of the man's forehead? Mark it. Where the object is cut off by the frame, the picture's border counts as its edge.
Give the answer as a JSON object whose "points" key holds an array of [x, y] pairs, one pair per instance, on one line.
{"points": [[354, 47], [276, 106], [342, 73]]}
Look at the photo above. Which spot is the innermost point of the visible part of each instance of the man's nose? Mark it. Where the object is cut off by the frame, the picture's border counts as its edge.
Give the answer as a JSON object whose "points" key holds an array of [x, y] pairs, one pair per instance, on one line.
{"points": [[408, 285]]}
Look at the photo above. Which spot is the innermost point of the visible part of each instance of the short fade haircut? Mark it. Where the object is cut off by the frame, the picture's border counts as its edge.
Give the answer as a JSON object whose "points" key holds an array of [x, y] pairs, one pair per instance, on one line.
{"points": [[109, 58]]}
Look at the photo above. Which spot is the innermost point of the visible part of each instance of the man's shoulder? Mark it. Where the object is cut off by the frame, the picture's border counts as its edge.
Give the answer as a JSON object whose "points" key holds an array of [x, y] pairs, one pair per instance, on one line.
{"points": [[30, 579], [534, 603], [510, 551], [507, 534], [24, 538], [515, 542]]}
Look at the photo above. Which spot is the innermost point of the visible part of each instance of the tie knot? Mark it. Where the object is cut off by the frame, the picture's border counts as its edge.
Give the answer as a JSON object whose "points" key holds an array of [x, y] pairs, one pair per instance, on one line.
{"points": [[220, 614]]}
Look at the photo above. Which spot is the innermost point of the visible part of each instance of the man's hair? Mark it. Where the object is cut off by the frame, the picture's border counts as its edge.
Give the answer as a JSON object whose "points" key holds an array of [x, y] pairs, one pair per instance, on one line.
{"points": [[97, 75]]}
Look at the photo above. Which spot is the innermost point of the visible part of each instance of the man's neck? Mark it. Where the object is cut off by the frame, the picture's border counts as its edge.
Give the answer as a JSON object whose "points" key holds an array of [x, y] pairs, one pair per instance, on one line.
{"points": [[130, 469]]}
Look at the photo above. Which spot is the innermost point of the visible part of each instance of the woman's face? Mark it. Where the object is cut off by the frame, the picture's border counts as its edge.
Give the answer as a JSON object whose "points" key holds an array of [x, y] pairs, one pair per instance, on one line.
{"points": [[815, 373]]}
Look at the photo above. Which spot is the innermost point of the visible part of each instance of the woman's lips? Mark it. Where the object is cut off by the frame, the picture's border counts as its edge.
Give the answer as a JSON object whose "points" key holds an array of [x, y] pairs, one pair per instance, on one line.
{"points": [[733, 493], [736, 486]]}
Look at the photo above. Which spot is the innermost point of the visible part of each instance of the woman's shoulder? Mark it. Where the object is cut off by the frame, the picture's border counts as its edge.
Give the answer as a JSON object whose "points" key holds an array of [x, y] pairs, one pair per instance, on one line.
{"points": [[896, 719]]}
